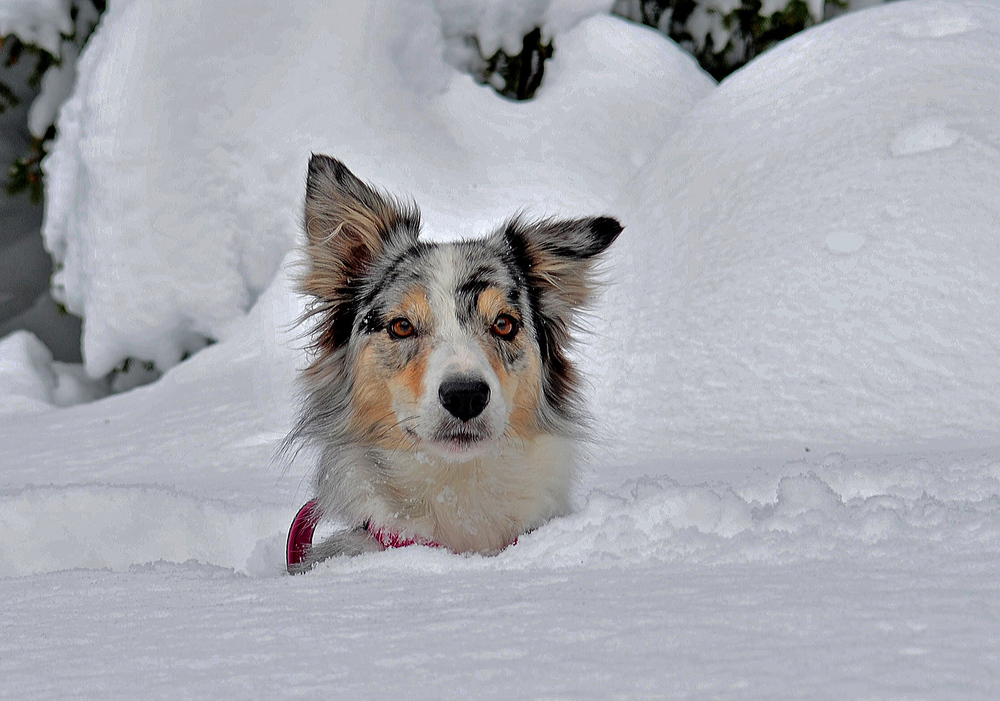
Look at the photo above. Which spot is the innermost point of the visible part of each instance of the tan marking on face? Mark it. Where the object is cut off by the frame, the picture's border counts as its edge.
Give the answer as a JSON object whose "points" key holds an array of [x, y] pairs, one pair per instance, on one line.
{"points": [[379, 385], [521, 387], [417, 309], [527, 396], [409, 384], [372, 416], [522, 390], [492, 303]]}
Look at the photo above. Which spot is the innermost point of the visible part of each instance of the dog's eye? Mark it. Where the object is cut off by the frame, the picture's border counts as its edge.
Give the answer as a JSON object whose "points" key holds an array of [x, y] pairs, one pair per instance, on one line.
{"points": [[505, 327], [401, 328]]}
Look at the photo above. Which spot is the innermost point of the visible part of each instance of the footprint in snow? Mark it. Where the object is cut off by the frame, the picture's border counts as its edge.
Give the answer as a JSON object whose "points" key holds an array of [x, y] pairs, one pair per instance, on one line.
{"points": [[926, 136], [844, 242], [935, 27]]}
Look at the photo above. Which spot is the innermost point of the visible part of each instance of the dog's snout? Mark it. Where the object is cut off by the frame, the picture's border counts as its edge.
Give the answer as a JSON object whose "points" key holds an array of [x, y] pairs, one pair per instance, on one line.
{"points": [[464, 397]]}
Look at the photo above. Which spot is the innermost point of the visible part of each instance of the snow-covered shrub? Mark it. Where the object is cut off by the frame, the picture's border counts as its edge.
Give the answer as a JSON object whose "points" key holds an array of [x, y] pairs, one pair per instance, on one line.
{"points": [[505, 44], [725, 34], [170, 203], [50, 32], [815, 247], [516, 77]]}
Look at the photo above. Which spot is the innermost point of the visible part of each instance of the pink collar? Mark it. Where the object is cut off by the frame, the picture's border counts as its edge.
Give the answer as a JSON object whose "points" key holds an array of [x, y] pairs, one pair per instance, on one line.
{"points": [[304, 525], [300, 536], [391, 539]]}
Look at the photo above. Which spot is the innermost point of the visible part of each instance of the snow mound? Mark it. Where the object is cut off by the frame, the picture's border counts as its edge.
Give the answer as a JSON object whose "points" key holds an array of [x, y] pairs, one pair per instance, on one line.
{"points": [[46, 529], [855, 509], [26, 377], [812, 258], [175, 185], [859, 509], [30, 380]]}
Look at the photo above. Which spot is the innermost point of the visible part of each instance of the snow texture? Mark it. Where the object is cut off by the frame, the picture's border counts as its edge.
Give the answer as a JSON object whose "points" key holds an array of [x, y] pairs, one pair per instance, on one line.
{"points": [[168, 230], [502, 25], [795, 488], [812, 255], [38, 22], [57, 83]]}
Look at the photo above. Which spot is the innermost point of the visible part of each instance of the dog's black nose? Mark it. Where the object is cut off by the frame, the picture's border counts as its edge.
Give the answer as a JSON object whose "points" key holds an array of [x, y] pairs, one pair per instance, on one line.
{"points": [[464, 397]]}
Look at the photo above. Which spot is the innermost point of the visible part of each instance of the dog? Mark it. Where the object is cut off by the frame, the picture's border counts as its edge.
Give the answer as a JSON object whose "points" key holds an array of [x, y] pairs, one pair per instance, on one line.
{"points": [[440, 397]]}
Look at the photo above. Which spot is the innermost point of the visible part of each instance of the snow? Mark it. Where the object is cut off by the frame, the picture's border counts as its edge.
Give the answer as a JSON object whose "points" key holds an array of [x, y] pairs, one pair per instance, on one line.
{"points": [[823, 272], [158, 255], [30, 380], [922, 137], [498, 24], [794, 491], [816, 7], [38, 22], [57, 83]]}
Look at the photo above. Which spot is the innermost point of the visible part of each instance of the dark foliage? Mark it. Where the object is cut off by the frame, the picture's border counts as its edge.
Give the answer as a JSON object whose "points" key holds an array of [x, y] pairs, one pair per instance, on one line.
{"points": [[515, 77], [25, 174], [752, 34]]}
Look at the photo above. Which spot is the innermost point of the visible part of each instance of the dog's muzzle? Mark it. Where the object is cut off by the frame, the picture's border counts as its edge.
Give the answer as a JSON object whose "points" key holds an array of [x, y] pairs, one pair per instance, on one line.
{"points": [[464, 397]]}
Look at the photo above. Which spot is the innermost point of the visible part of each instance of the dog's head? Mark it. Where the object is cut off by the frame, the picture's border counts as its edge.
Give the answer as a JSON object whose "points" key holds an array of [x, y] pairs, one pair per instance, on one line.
{"points": [[450, 348]]}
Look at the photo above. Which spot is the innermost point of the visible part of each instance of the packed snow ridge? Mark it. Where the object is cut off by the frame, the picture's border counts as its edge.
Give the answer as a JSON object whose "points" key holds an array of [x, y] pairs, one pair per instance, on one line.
{"points": [[859, 509]]}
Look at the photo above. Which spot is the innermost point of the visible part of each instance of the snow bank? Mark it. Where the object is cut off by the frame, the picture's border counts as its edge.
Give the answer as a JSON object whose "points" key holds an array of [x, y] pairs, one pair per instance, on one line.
{"points": [[812, 258], [46, 529], [888, 509], [31, 381], [834, 508], [176, 181], [26, 377]]}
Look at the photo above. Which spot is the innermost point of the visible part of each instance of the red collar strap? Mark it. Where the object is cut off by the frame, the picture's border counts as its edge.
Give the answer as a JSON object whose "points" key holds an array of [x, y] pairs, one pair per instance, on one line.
{"points": [[300, 536], [303, 526], [391, 539]]}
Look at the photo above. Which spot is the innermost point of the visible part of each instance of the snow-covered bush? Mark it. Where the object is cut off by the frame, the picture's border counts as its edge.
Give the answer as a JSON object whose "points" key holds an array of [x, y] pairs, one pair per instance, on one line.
{"points": [[51, 33], [725, 34], [172, 201]]}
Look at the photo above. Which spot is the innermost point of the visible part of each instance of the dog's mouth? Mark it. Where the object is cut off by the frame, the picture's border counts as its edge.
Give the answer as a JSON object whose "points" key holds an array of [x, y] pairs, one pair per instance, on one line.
{"points": [[455, 443], [459, 439]]}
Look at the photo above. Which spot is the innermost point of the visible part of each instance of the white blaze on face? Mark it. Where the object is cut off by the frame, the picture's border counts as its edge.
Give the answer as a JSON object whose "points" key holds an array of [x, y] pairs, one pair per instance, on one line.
{"points": [[455, 351]]}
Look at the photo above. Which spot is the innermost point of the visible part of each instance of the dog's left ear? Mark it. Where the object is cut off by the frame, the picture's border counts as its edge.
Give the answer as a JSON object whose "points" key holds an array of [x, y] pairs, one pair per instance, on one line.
{"points": [[350, 220], [349, 225], [558, 256]]}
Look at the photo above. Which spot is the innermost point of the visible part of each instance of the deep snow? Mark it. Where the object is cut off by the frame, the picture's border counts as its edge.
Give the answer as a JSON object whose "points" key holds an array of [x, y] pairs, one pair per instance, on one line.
{"points": [[813, 252], [814, 630], [839, 190], [169, 217]]}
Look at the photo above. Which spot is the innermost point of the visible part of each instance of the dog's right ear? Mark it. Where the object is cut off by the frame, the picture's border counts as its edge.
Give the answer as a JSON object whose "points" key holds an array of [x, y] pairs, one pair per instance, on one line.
{"points": [[348, 224]]}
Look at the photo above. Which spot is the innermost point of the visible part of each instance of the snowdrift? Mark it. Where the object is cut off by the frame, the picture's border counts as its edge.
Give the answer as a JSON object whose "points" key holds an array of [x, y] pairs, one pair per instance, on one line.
{"points": [[807, 264], [176, 184], [806, 268], [811, 262]]}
